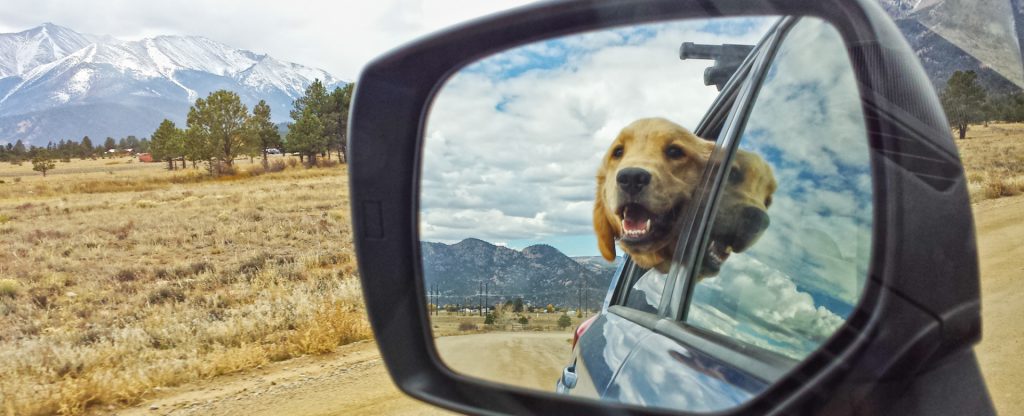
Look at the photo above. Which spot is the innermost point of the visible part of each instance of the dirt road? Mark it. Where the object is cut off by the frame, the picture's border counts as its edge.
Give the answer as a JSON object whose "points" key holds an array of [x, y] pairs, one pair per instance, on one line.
{"points": [[527, 359], [354, 381], [1000, 228]]}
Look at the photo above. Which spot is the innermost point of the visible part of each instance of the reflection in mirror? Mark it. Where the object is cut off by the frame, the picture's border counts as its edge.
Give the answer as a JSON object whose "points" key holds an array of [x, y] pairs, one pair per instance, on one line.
{"points": [[517, 252], [800, 189]]}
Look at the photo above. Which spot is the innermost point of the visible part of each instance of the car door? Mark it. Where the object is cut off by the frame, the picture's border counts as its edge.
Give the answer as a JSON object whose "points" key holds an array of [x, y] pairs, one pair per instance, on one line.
{"points": [[785, 254], [609, 338]]}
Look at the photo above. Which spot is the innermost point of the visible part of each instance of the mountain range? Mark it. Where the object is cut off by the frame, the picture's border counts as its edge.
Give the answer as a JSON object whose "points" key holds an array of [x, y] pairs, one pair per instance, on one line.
{"points": [[540, 274], [954, 35], [56, 83]]}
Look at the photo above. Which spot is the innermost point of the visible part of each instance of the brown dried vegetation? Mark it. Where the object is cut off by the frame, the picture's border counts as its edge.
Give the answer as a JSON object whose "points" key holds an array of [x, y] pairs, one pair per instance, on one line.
{"points": [[993, 158], [113, 284]]}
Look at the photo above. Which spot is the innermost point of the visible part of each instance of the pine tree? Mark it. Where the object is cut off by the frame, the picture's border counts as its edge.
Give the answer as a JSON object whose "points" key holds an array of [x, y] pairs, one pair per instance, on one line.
{"points": [[306, 136], [342, 100], [168, 143], [217, 127], [19, 149], [265, 130], [963, 100], [320, 104], [85, 148]]}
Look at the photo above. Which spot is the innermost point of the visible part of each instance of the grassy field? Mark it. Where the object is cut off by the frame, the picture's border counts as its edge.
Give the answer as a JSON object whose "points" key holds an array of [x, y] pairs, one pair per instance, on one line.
{"points": [[446, 323], [993, 158], [118, 277]]}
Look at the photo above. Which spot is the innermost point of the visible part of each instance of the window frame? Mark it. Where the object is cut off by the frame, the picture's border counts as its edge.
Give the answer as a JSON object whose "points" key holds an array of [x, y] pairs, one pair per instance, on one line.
{"points": [[726, 121]]}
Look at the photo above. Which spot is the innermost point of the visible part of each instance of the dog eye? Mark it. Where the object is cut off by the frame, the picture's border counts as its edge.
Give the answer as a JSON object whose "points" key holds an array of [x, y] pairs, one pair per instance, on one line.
{"points": [[674, 152], [768, 202], [618, 151], [735, 176]]}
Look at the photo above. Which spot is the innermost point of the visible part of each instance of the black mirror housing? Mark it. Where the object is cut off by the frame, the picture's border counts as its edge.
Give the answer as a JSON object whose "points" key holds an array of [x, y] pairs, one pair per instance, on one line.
{"points": [[920, 309]]}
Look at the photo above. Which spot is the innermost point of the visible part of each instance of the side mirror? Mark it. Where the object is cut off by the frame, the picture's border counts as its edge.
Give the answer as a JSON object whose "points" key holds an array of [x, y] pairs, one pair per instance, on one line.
{"points": [[909, 327]]}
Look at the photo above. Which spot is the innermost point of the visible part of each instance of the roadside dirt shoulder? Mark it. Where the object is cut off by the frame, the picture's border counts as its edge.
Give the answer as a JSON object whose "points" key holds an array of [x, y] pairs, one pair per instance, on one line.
{"points": [[352, 380], [1000, 228]]}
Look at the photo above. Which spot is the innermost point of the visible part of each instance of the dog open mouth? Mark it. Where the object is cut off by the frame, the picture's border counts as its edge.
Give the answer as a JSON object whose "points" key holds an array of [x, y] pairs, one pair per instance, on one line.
{"points": [[641, 225], [715, 255], [636, 222]]}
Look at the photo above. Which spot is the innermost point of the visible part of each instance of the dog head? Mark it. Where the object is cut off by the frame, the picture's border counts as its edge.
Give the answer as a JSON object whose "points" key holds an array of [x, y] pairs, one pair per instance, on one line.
{"points": [[647, 176], [742, 211]]}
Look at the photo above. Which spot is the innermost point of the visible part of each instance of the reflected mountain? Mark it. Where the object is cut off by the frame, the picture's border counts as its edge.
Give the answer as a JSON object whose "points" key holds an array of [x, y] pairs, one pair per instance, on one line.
{"points": [[540, 274]]}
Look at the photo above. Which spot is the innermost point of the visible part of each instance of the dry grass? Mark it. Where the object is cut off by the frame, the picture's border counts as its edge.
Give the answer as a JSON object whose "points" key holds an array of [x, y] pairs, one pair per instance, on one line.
{"points": [[113, 284], [993, 158], [444, 323]]}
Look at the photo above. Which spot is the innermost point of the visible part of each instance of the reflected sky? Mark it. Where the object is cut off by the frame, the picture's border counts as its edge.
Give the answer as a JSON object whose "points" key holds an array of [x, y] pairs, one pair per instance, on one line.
{"points": [[513, 141], [794, 288]]}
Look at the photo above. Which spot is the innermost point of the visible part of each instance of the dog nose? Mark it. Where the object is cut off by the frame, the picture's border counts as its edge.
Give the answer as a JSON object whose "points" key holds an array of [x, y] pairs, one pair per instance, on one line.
{"points": [[633, 180], [753, 222]]}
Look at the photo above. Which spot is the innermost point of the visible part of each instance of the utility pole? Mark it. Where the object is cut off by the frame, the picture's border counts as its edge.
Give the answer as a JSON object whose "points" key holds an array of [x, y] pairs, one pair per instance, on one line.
{"points": [[480, 298], [487, 299], [433, 297]]}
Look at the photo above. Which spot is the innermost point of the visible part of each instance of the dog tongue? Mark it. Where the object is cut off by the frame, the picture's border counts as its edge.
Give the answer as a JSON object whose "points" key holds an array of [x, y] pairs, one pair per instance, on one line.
{"points": [[635, 218]]}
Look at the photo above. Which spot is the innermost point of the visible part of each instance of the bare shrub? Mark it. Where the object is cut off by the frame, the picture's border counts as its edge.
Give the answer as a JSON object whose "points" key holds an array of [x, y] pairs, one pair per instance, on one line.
{"points": [[200, 267], [276, 166], [254, 264], [326, 163], [467, 326], [166, 294], [218, 168], [255, 170], [126, 275], [38, 236], [122, 232], [333, 324], [9, 288]]}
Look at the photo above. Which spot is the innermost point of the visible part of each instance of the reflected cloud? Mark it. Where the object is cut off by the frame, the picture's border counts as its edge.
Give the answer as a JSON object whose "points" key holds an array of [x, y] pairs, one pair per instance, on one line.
{"points": [[513, 141], [795, 286]]}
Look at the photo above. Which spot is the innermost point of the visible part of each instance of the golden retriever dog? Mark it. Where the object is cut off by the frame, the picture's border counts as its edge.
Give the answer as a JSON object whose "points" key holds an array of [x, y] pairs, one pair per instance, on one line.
{"points": [[647, 177], [742, 214]]}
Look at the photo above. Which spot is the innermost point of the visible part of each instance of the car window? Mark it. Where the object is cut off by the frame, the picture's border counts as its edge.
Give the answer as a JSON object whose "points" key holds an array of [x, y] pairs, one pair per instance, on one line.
{"points": [[644, 288], [789, 243]]}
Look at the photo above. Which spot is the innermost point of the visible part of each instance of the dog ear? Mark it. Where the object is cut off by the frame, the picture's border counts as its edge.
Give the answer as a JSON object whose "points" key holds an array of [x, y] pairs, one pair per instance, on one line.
{"points": [[603, 229]]}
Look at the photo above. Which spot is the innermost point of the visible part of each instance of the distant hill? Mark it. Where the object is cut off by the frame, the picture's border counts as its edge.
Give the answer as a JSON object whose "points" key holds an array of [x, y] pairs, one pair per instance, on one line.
{"points": [[540, 274]]}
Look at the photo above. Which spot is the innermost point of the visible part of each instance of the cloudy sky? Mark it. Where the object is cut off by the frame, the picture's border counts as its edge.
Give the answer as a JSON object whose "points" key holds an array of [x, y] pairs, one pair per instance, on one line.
{"points": [[337, 36], [514, 141], [794, 287]]}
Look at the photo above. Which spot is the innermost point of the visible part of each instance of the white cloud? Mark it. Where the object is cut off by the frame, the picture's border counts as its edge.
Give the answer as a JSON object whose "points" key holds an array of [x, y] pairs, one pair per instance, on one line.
{"points": [[762, 306], [519, 135]]}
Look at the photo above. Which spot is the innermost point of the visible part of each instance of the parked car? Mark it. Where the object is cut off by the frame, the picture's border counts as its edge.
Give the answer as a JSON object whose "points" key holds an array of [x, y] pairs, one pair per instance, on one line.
{"points": [[861, 297]]}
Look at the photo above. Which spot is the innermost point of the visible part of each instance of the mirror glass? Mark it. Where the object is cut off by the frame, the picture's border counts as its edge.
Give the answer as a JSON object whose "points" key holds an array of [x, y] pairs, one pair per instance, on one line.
{"points": [[554, 170]]}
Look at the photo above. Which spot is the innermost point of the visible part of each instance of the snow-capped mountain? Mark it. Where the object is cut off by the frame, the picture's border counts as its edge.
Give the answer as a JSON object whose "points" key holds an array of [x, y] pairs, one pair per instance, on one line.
{"points": [[56, 83], [947, 36]]}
